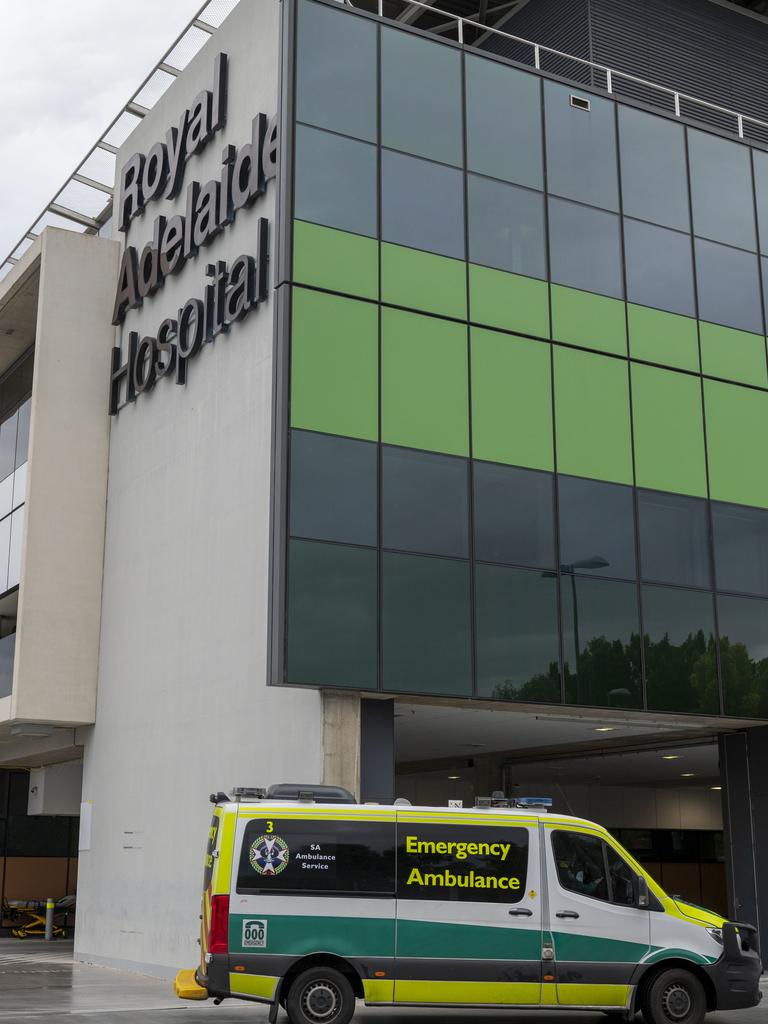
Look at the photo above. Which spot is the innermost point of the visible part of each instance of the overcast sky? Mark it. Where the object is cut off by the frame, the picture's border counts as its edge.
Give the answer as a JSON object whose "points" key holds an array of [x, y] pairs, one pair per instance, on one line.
{"points": [[65, 71]]}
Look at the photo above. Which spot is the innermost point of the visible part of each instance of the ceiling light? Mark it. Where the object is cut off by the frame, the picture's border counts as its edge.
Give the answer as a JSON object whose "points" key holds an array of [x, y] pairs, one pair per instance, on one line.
{"points": [[670, 757], [454, 776], [717, 788], [687, 775], [604, 728]]}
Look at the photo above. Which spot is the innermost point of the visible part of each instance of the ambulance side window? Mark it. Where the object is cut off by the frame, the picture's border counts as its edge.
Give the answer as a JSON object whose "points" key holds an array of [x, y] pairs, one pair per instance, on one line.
{"points": [[471, 863], [317, 856], [580, 864], [623, 879]]}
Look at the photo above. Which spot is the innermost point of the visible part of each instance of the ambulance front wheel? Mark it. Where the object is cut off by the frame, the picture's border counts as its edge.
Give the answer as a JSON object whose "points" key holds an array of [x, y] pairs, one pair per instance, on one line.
{"points": [[674, 997], [320, 995]]}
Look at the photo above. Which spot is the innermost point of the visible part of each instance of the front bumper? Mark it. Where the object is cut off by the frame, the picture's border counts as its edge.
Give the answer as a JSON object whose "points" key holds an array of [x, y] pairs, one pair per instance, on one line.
{"points": [[736, 975]]}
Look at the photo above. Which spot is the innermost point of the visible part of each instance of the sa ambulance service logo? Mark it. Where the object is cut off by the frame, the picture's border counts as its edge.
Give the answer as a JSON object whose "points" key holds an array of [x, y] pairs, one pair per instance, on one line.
{"points": [[269, 855]]}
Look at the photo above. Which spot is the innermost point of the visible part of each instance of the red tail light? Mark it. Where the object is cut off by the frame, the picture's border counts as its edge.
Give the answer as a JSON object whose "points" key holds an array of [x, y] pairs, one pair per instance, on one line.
{"points": [[218, 932]]}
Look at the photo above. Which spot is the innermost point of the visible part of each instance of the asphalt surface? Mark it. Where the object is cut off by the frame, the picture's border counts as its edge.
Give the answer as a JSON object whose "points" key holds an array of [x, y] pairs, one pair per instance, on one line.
{"points": [[40, 984]]}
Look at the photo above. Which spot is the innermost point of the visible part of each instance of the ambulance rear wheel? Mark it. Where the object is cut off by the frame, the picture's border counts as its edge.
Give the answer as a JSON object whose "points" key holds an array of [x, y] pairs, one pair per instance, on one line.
{"points": [[674, 997], [320, 996]]}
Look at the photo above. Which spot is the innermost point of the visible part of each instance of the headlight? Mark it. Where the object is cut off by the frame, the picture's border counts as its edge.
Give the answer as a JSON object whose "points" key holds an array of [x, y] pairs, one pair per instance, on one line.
{"points": [[717, 934]]}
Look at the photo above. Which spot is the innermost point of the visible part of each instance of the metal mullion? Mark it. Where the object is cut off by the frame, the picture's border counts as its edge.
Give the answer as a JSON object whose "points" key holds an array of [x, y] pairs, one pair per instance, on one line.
{"points": [[379, 342]]}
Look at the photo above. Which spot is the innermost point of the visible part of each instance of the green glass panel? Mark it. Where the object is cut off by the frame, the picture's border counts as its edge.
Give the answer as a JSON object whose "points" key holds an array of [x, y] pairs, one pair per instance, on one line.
{"points": [[737, 425], [424, 383], [669, 431], [509, 301], [592, 321], [732, 354], [334, 365], [592, 416], [660, 337], [337, 260], [422, 280], [511, 400]]}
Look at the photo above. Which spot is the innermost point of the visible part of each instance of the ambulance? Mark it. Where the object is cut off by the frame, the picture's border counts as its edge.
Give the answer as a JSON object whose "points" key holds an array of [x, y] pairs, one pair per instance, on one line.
{"points": [[312, 901]]}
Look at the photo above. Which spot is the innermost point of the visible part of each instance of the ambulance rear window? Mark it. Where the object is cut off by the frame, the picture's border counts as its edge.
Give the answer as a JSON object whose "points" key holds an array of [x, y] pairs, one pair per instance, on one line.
{"points": [[317, 856], [213, 835]]}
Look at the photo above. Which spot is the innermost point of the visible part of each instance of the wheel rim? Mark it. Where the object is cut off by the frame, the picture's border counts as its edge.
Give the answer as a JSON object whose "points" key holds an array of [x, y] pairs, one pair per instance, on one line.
{"points": [[676, 1002], [321, 1001]]}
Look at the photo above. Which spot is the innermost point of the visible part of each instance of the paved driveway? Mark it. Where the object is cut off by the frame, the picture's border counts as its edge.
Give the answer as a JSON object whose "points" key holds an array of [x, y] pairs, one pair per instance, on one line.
{"points": [[40, 984]]}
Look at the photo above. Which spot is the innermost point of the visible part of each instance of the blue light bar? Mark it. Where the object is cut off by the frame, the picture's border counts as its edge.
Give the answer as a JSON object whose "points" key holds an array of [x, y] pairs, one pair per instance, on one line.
{"points": [[533, 801]]}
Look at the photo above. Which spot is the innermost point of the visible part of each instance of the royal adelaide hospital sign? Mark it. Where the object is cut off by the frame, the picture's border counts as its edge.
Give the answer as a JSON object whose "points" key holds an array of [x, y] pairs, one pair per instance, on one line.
{"points": [[231, 290]]}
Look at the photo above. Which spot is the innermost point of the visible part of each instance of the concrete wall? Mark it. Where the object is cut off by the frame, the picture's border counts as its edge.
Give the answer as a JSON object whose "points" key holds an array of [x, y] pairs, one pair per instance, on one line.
{"points": [[612, 806], [56, 789], [183, 705], [57, 639]]}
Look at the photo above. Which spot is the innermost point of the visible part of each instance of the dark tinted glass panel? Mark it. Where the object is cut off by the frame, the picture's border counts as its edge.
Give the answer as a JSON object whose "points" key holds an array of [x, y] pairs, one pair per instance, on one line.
{"points": [[673, 538], [426, 625], [597, 531], [501, 95], [760, 165], [622, 878], [22, 437], [581, 147], [506, 227], [721, 190], [38, 836], [422, 205], [654, 180], [580, 864], [659, 267], [317, 856], [425, 502], [331, 615], [8, 431], [335, 181], [729, 287], [421, 97], [336, 71], [680, 658], [333, 488], [741, 548], [471, 863], [517, 642], [514, 515], [743, 625], [585, 248], [17, 386], [601, 642]]}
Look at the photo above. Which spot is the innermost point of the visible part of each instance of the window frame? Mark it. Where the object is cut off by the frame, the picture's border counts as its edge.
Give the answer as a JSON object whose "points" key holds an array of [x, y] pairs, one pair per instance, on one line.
{"points": [[604, 844]]}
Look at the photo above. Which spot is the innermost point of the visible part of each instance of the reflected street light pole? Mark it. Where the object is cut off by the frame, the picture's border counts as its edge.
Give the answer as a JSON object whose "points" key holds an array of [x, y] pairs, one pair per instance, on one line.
{"points": [[595, 562]]}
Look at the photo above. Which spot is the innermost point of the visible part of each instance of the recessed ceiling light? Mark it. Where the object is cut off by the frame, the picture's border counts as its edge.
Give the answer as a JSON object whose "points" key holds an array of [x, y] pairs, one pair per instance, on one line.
{"points": [[687, 775], [670, 757], [716, 787], [454, 776], [604, 728]]}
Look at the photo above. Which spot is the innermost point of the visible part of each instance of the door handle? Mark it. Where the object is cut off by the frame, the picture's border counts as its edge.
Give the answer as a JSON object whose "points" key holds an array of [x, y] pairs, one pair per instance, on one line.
{"points": [[521, 912], [566, 913]]}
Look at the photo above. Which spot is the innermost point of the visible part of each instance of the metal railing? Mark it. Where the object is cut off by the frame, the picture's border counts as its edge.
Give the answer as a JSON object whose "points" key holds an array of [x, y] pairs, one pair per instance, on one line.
{"points": [[730, 120], [77, 203]]}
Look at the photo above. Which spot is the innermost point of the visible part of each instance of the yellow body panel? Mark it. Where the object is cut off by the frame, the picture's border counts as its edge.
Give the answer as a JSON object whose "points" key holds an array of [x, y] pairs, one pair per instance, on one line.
{"points": [[510, 993], [593, 995], [261, 986], [378, 990]]}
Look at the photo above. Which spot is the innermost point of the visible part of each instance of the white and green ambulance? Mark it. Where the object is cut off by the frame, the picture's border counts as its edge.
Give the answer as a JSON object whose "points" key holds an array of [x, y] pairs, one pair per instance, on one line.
{"points": [[312, 901]]}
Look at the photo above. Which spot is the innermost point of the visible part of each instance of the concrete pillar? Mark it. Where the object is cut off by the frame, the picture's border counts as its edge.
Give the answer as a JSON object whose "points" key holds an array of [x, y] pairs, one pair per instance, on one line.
{"points": [[377, 751], [744, 778], [341, 740]]}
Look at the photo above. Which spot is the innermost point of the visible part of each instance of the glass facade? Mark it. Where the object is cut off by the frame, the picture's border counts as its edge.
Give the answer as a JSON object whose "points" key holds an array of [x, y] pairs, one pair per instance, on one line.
{"points": [[528, 380]]}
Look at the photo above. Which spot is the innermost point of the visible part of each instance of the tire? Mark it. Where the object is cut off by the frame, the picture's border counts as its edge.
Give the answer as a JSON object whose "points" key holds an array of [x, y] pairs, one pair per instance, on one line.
{"points": [[674, 997], [320, 995]]}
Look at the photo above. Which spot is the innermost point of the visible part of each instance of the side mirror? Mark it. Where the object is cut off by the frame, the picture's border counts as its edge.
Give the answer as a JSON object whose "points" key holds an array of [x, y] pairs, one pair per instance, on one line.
{"points": [[643, 898]]}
